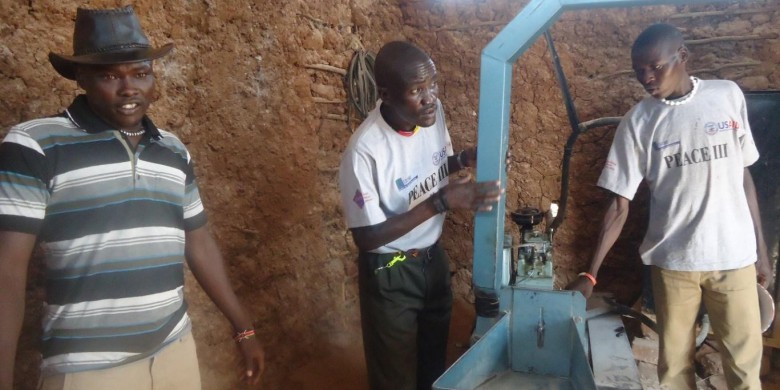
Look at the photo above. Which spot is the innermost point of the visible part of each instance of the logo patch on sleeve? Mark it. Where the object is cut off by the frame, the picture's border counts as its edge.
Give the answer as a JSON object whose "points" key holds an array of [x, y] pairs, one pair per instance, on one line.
{"points": [[360, 199]]}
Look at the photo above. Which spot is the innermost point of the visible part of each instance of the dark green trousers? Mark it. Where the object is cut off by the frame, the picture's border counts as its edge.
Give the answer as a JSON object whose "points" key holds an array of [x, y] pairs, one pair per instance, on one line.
{"points": [[405, 314]]}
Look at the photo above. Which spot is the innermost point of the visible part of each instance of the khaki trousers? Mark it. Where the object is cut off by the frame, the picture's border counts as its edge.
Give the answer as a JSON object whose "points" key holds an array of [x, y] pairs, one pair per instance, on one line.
{"points": [[173, 368], [731, 300]]}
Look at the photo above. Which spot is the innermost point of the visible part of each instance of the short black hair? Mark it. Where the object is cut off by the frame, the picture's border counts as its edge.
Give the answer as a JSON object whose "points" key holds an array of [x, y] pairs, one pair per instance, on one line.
{"points": [[656, 34], [391, 60]]}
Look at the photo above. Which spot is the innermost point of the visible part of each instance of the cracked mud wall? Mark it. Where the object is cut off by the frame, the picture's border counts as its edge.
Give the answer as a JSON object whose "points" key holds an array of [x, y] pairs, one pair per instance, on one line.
{"points": [[238, 91]]}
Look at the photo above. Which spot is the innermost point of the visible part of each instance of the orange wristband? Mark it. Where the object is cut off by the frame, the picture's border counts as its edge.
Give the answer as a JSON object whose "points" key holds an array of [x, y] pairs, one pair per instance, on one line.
{"points": [[244, 335], [589, 276]]}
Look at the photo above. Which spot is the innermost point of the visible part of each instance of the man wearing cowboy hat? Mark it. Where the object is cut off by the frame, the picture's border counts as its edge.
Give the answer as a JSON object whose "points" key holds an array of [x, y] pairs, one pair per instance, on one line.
{"points": [[114, 203]]}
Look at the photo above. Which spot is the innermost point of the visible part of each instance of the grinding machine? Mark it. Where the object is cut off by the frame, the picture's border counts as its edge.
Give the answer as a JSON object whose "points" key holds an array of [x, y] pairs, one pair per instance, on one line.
{"points": [[527, 334]]}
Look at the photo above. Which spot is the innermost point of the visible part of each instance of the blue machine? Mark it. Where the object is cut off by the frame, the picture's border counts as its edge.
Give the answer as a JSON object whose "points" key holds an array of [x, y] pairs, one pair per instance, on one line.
{"points": [[537, 339], [538, 344]]}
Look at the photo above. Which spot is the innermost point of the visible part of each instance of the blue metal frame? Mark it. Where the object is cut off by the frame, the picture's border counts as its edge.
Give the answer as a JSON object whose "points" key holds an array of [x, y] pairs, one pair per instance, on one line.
{"points": [[493, 135], [511, 348]]}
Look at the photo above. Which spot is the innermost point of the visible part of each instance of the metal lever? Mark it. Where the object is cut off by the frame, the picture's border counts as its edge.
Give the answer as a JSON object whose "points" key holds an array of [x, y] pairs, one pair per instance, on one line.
{"points": [[540, 329]]}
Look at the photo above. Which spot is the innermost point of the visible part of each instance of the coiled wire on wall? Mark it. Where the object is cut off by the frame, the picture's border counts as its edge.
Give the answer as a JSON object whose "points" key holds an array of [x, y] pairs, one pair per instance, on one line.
{"points": [[361, 84]]}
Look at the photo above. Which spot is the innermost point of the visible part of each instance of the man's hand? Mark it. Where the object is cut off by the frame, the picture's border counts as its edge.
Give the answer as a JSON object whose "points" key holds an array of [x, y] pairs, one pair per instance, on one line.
{"points": [[254, 360], [763, 271], [206, 263], [581, 284], [461, 193], [469, 158], [763, 267]]}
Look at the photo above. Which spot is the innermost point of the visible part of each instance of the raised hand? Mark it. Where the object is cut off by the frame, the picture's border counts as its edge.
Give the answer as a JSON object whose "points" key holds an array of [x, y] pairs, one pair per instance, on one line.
{"points": [[462, 193]]}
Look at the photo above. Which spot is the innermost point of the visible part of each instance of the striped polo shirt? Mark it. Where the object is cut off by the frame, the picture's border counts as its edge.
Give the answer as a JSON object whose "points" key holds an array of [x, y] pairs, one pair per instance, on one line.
{"points": [[111, 221]]}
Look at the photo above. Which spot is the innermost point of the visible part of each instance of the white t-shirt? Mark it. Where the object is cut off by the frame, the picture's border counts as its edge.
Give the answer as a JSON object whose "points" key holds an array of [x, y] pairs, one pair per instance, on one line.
{"points": [[692, 156], [384, 174]]}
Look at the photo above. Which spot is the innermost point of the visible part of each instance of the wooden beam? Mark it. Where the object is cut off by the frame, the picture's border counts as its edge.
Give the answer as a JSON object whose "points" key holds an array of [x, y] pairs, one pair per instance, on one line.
{"points": [[327, 68]]}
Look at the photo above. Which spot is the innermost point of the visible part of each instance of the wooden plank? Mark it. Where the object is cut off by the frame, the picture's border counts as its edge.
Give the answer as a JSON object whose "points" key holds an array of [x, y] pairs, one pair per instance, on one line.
{"points": [[613, 362], [772, 342]]}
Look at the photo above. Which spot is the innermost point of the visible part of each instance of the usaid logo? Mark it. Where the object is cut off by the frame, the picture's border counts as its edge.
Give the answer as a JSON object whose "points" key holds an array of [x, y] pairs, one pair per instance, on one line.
{"points": [[403, 183], [712, 128], [439, 156]]}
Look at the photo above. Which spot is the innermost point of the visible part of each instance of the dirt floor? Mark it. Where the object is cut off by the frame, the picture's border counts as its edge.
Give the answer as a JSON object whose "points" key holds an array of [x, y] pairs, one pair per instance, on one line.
{"points": [[249, 91]]}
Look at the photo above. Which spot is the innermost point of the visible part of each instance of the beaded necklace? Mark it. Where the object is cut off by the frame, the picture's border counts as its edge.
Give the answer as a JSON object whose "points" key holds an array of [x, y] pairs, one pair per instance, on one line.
{"points": [[132, 133], [686, 98]]}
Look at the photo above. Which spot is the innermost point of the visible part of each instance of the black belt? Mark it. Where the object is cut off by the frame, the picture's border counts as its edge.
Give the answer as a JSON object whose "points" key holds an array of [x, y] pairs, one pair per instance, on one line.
{"points": [[401, 256]]}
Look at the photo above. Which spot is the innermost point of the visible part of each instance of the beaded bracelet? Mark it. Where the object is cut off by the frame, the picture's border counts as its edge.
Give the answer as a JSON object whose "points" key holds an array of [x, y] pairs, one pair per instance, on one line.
{"points": [[244, 335], [589, 276]]}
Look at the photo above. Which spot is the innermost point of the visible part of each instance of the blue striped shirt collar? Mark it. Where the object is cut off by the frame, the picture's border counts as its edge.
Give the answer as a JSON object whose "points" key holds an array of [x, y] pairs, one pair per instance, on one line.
{"points": [[82, 116]]}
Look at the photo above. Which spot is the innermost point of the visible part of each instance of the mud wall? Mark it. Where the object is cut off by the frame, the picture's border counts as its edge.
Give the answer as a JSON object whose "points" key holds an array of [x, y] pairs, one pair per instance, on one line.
{"points": [[266, 130]]}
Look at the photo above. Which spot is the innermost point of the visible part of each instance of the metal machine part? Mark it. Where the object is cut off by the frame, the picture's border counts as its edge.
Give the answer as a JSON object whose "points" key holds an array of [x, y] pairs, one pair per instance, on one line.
{"points": [[496, 68], [767, 308], [534, 266], [539, 344]]}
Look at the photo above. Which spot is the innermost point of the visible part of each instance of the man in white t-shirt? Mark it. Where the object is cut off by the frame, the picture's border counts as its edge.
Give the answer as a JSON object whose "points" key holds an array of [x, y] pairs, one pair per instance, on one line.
{"points": [[690, 141], [395, 190]]}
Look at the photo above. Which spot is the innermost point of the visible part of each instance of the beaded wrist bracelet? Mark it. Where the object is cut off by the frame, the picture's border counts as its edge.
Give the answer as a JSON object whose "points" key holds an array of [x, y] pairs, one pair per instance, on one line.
{"points": [[244, 335]]}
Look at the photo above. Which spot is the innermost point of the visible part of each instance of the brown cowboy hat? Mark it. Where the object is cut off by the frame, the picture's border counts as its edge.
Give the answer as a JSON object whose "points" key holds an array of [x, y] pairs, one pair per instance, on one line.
{"points": [[105, 37]]}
